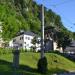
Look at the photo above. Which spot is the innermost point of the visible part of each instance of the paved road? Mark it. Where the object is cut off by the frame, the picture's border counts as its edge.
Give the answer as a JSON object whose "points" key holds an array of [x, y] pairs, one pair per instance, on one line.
{"points": [[67, 74], [73, 73]]}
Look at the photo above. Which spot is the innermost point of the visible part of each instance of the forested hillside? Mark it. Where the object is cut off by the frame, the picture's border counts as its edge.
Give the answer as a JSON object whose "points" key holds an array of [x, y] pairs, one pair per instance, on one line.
{"points": [[17, 15]]}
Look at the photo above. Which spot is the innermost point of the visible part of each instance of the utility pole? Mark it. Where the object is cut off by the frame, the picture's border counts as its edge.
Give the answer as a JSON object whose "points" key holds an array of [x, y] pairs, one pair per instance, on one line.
{"points": [[42, 63], [42, 30]]}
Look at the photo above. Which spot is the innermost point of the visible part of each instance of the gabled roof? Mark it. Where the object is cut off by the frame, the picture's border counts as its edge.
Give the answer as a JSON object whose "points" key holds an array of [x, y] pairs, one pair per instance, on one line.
{"points": [[26, 33], [29, 33]]}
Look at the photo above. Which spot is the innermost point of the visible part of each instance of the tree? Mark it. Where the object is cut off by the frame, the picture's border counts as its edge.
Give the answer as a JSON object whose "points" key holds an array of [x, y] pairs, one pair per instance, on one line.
{"points": [[73, 35], [34, 41], [23, 18], [63, 40]]}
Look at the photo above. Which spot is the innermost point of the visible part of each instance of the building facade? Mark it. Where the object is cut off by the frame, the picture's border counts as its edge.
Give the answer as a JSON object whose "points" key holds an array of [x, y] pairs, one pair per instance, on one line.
{"points": [[24, 40]]}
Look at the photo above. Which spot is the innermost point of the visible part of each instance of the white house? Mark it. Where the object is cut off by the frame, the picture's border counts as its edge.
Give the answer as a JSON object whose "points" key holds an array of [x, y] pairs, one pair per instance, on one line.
{"points": [[24, 40]]}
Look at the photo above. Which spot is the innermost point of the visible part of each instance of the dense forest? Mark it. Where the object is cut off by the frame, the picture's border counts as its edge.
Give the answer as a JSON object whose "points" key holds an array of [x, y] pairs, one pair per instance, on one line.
{"points": [[25, 15]]}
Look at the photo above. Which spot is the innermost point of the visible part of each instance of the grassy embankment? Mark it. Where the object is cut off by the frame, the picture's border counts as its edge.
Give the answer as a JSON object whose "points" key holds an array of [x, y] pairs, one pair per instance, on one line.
{"points": [[29, 60]]}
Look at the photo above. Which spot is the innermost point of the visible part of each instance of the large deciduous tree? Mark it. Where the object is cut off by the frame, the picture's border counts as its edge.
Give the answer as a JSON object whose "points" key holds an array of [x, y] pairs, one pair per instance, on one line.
{"points": [[63, 40]]}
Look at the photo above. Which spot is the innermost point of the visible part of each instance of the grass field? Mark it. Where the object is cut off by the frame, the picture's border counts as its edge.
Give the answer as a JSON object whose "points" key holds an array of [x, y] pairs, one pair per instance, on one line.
{"points": [[28, 64]]}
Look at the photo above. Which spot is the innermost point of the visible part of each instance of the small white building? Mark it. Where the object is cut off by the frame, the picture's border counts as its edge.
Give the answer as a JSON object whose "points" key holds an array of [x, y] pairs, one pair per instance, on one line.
{"points": [[24, 40], [56, 47]]}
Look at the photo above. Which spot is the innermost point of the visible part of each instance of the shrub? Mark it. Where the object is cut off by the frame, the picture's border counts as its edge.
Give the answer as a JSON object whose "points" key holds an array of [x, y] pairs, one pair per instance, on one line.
{"points": [[42, 65], [22, 50], [5, 50], [56, 51], [25, 50]]}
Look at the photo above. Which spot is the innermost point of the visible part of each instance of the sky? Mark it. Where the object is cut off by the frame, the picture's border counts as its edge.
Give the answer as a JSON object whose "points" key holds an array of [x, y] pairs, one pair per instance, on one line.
{"points": [[64, 8]]}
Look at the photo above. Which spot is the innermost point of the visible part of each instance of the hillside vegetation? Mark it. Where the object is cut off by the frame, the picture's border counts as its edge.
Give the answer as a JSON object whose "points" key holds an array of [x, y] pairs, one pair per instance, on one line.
{"points": [[25, 15], [29, 60]]}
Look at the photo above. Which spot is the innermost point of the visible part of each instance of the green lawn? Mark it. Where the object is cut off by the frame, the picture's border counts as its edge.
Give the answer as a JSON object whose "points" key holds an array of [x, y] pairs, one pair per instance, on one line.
{"points": [[29, 60]]}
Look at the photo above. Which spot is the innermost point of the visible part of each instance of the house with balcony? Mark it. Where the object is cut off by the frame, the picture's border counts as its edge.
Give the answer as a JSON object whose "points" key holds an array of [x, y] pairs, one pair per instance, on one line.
{"points": [[24, 40]]}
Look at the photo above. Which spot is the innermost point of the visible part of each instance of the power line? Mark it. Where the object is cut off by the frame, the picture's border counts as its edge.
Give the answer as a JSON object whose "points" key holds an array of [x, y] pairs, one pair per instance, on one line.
{"points": [[67, 20], [64, 2], [61, 3]]}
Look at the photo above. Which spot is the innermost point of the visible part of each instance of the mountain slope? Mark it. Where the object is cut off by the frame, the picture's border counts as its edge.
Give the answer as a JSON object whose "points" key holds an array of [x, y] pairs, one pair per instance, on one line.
{"points": [[25, 14]]}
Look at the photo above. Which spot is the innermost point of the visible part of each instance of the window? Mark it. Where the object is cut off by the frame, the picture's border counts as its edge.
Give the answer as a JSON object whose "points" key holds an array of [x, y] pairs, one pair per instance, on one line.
{"points": [[28, 38], [14, 40], [25, 42], [20, 44], [25, 46], [21, 38]]}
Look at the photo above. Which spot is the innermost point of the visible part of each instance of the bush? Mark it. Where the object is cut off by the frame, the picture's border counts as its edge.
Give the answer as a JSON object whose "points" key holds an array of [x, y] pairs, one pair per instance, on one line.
{"points": [[56, 51], [22, 50], [5, 50], [42, 65]]}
